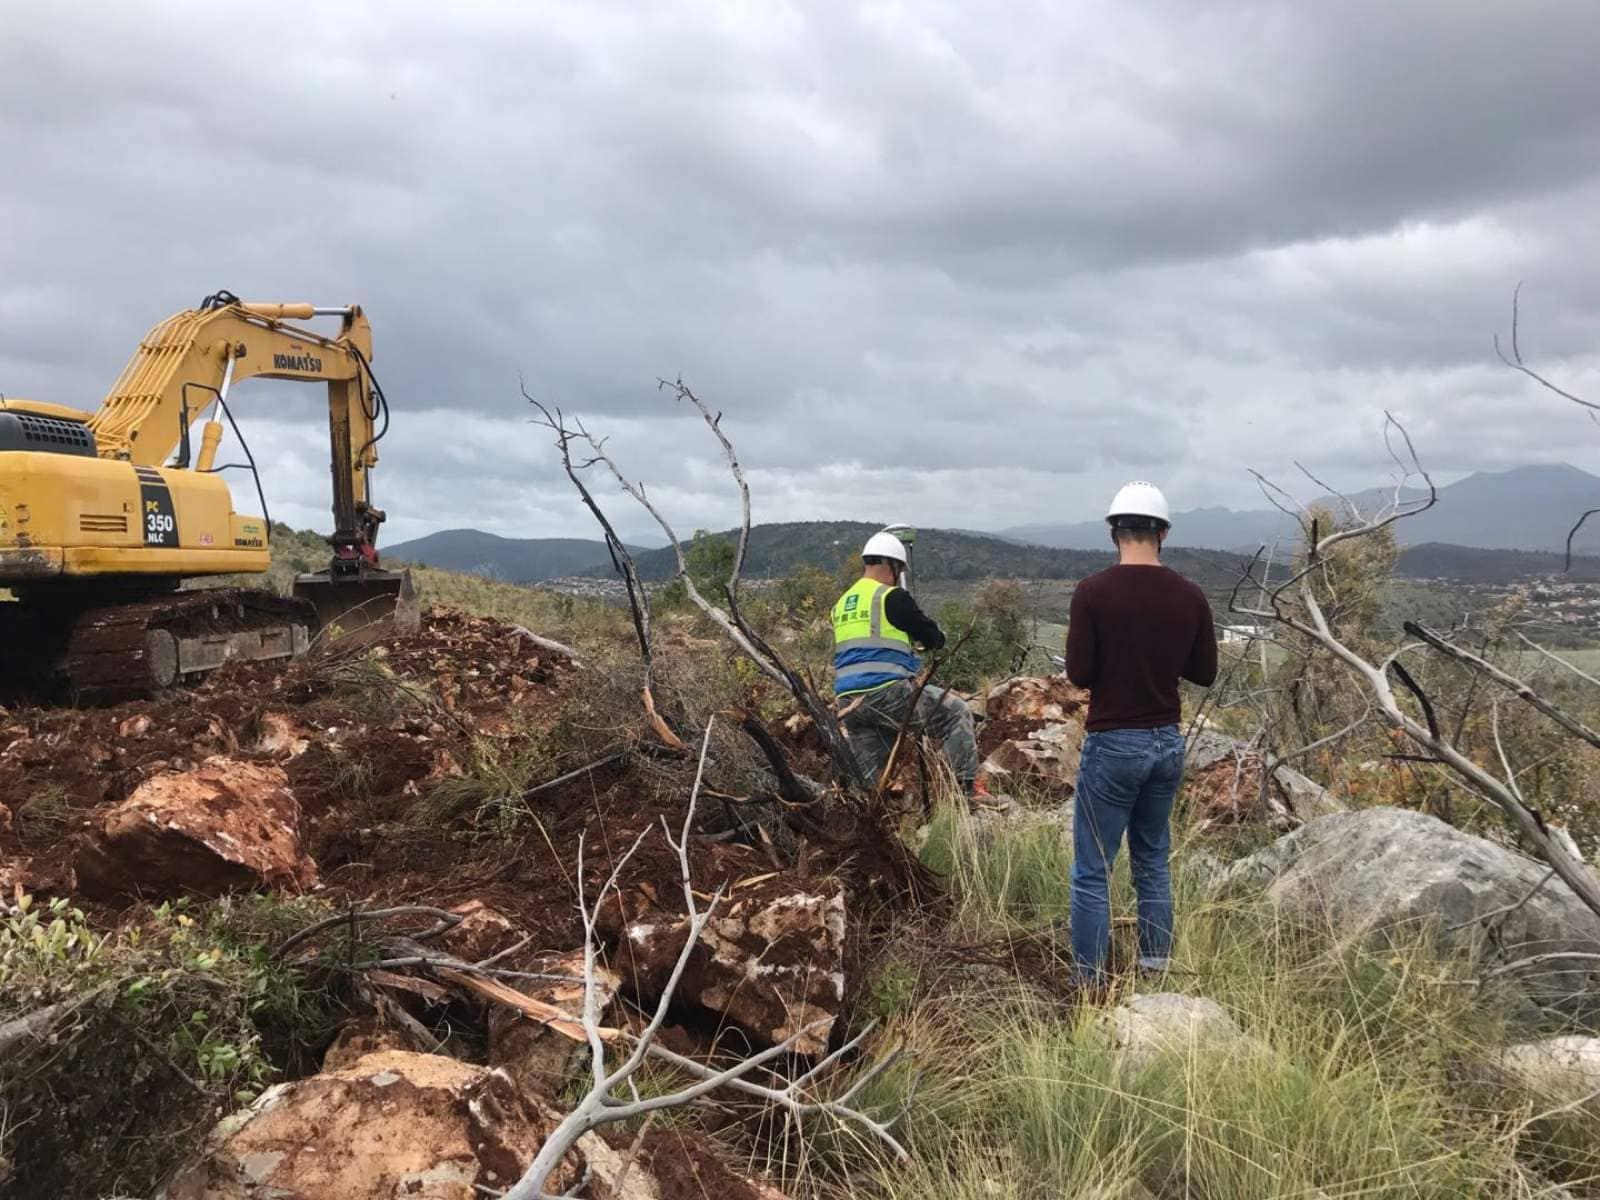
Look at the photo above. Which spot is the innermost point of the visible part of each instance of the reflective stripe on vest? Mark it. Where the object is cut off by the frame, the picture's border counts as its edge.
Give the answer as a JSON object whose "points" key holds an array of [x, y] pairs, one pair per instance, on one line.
{"points": [[869, 651]]}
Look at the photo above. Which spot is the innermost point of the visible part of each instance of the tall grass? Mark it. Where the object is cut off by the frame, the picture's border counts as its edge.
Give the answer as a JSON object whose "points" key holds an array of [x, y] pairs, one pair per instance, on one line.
{"points": [[1351, 1081]]}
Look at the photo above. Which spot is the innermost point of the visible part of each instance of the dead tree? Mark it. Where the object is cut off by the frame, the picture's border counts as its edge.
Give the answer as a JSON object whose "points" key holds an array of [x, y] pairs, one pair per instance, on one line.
{"points": [[730, 620], [603, 1106], [621, 561], [1310, 621]]}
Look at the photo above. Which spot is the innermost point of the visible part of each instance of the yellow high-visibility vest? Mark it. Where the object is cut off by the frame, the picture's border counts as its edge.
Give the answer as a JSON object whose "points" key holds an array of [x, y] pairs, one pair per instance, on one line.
{"points": [[869, 651]]}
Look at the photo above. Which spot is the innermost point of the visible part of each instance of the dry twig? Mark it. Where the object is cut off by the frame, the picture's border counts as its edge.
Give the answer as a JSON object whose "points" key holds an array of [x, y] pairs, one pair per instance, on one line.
{"points": [[600, 1106], [1312, 624]]}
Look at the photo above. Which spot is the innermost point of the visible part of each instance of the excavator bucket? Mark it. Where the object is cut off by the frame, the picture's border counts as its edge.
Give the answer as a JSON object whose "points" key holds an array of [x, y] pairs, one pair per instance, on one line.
{"points": [[361, 607]]}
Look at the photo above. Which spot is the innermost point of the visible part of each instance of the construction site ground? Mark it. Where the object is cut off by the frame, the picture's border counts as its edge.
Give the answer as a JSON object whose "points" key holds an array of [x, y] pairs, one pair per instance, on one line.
{"points": [[409, 761]]}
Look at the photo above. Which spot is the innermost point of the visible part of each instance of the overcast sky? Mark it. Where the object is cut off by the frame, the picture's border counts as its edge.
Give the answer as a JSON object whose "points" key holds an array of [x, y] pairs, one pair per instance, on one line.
{"points": [[949, 263]]}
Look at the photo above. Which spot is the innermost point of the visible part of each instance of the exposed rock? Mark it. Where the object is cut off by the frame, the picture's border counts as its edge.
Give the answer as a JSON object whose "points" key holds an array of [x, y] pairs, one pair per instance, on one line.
{"points": [[363, 1036], [483, 932], [443, 766], [771, 959], [1307, 798], [1049, 755], [223, 825], [1557, 1071], [1145, 1027], [1223, 784], [135, 726], [1034, 730], [281, 736], [390, 1126], [1375, 869], [540, 1059], [1035, 701], [402, 1126], [1201, 864]]}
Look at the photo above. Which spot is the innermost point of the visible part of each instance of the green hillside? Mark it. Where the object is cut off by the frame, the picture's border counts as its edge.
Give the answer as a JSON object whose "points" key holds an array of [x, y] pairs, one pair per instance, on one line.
{"points": [[517, 560], [940, 555]]}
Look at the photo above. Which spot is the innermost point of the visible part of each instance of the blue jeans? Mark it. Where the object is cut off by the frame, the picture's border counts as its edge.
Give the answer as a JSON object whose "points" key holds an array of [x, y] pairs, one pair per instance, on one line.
{"points": [[1127, 780]]}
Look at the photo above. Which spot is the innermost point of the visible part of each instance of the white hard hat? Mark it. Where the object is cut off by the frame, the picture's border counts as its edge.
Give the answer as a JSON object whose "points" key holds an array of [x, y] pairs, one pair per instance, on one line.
{"points": [[1139, 499], [885, 545]]}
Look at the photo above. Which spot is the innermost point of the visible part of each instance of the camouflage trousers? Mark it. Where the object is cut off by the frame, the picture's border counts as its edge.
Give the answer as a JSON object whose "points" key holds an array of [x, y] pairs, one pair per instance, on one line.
{"points": [[873, 724]]}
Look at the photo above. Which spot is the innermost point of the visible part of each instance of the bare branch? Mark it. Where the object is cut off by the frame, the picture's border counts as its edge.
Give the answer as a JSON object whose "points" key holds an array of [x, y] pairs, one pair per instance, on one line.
{"points": [[1366, 715], [1573, 532], [717, 616], [1329, 490], [1500, 749], [621, 559], [1522, 691], [601, 1107], [715, 425], [445, 920], [1415, 689], [1516, 363], [730, 621], [1509, 909], [1314, 627], [1554, 657], [1293, 509]]}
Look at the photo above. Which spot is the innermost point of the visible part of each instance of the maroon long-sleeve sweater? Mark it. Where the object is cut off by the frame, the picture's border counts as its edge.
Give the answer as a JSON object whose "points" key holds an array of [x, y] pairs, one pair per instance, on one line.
{"points": [[1132, 632]]}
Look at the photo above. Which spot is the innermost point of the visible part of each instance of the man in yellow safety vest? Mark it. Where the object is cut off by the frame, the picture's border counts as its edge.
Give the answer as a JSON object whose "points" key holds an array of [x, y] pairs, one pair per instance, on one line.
{"points": [[877, 628]]}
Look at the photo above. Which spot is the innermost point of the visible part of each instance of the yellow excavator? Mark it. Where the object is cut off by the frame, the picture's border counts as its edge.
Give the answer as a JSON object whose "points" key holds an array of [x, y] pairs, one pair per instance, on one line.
{"points": [[104, 515]]}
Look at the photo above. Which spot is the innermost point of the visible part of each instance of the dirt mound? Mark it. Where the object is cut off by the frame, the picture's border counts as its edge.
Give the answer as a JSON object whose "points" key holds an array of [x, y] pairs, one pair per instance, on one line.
{"points": [[365, 731]]}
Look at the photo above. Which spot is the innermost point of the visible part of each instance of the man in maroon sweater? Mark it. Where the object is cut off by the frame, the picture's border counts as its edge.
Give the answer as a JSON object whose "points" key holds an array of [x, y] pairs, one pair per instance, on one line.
{"points": [[1134, 629]]}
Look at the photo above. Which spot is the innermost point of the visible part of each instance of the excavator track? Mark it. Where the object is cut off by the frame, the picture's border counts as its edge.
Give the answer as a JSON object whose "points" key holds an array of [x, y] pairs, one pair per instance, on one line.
{"points": [[124, 651]]}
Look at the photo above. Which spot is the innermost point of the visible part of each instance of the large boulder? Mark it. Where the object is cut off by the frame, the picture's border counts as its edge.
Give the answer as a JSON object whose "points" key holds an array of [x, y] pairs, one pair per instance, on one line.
{"points": [[361, 1036], [224, 825], [1028, 702], [390, 1126], [1048, 756], [771, 959], [1033, 730], [483, 932], [403, 1126], [1379, 869]]}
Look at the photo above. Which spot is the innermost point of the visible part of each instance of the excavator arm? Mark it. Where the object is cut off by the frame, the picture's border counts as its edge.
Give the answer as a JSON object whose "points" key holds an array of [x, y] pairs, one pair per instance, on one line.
{"points": [[185, 366]]}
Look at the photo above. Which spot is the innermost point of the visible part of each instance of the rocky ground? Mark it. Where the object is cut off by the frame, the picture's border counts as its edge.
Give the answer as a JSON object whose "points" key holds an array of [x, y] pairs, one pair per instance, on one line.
{"points": [[411, 776], [449, 778]]}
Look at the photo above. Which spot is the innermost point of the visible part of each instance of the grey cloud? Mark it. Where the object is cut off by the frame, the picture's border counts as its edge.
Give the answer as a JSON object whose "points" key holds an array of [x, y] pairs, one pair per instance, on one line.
{"points": [[978, 268]]}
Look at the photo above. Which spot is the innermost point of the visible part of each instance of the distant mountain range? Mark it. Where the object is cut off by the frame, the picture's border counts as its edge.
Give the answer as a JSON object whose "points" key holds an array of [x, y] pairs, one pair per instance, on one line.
{"points": [[941, 555], [1487, 528], [515, 560], [1526, 508]]}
